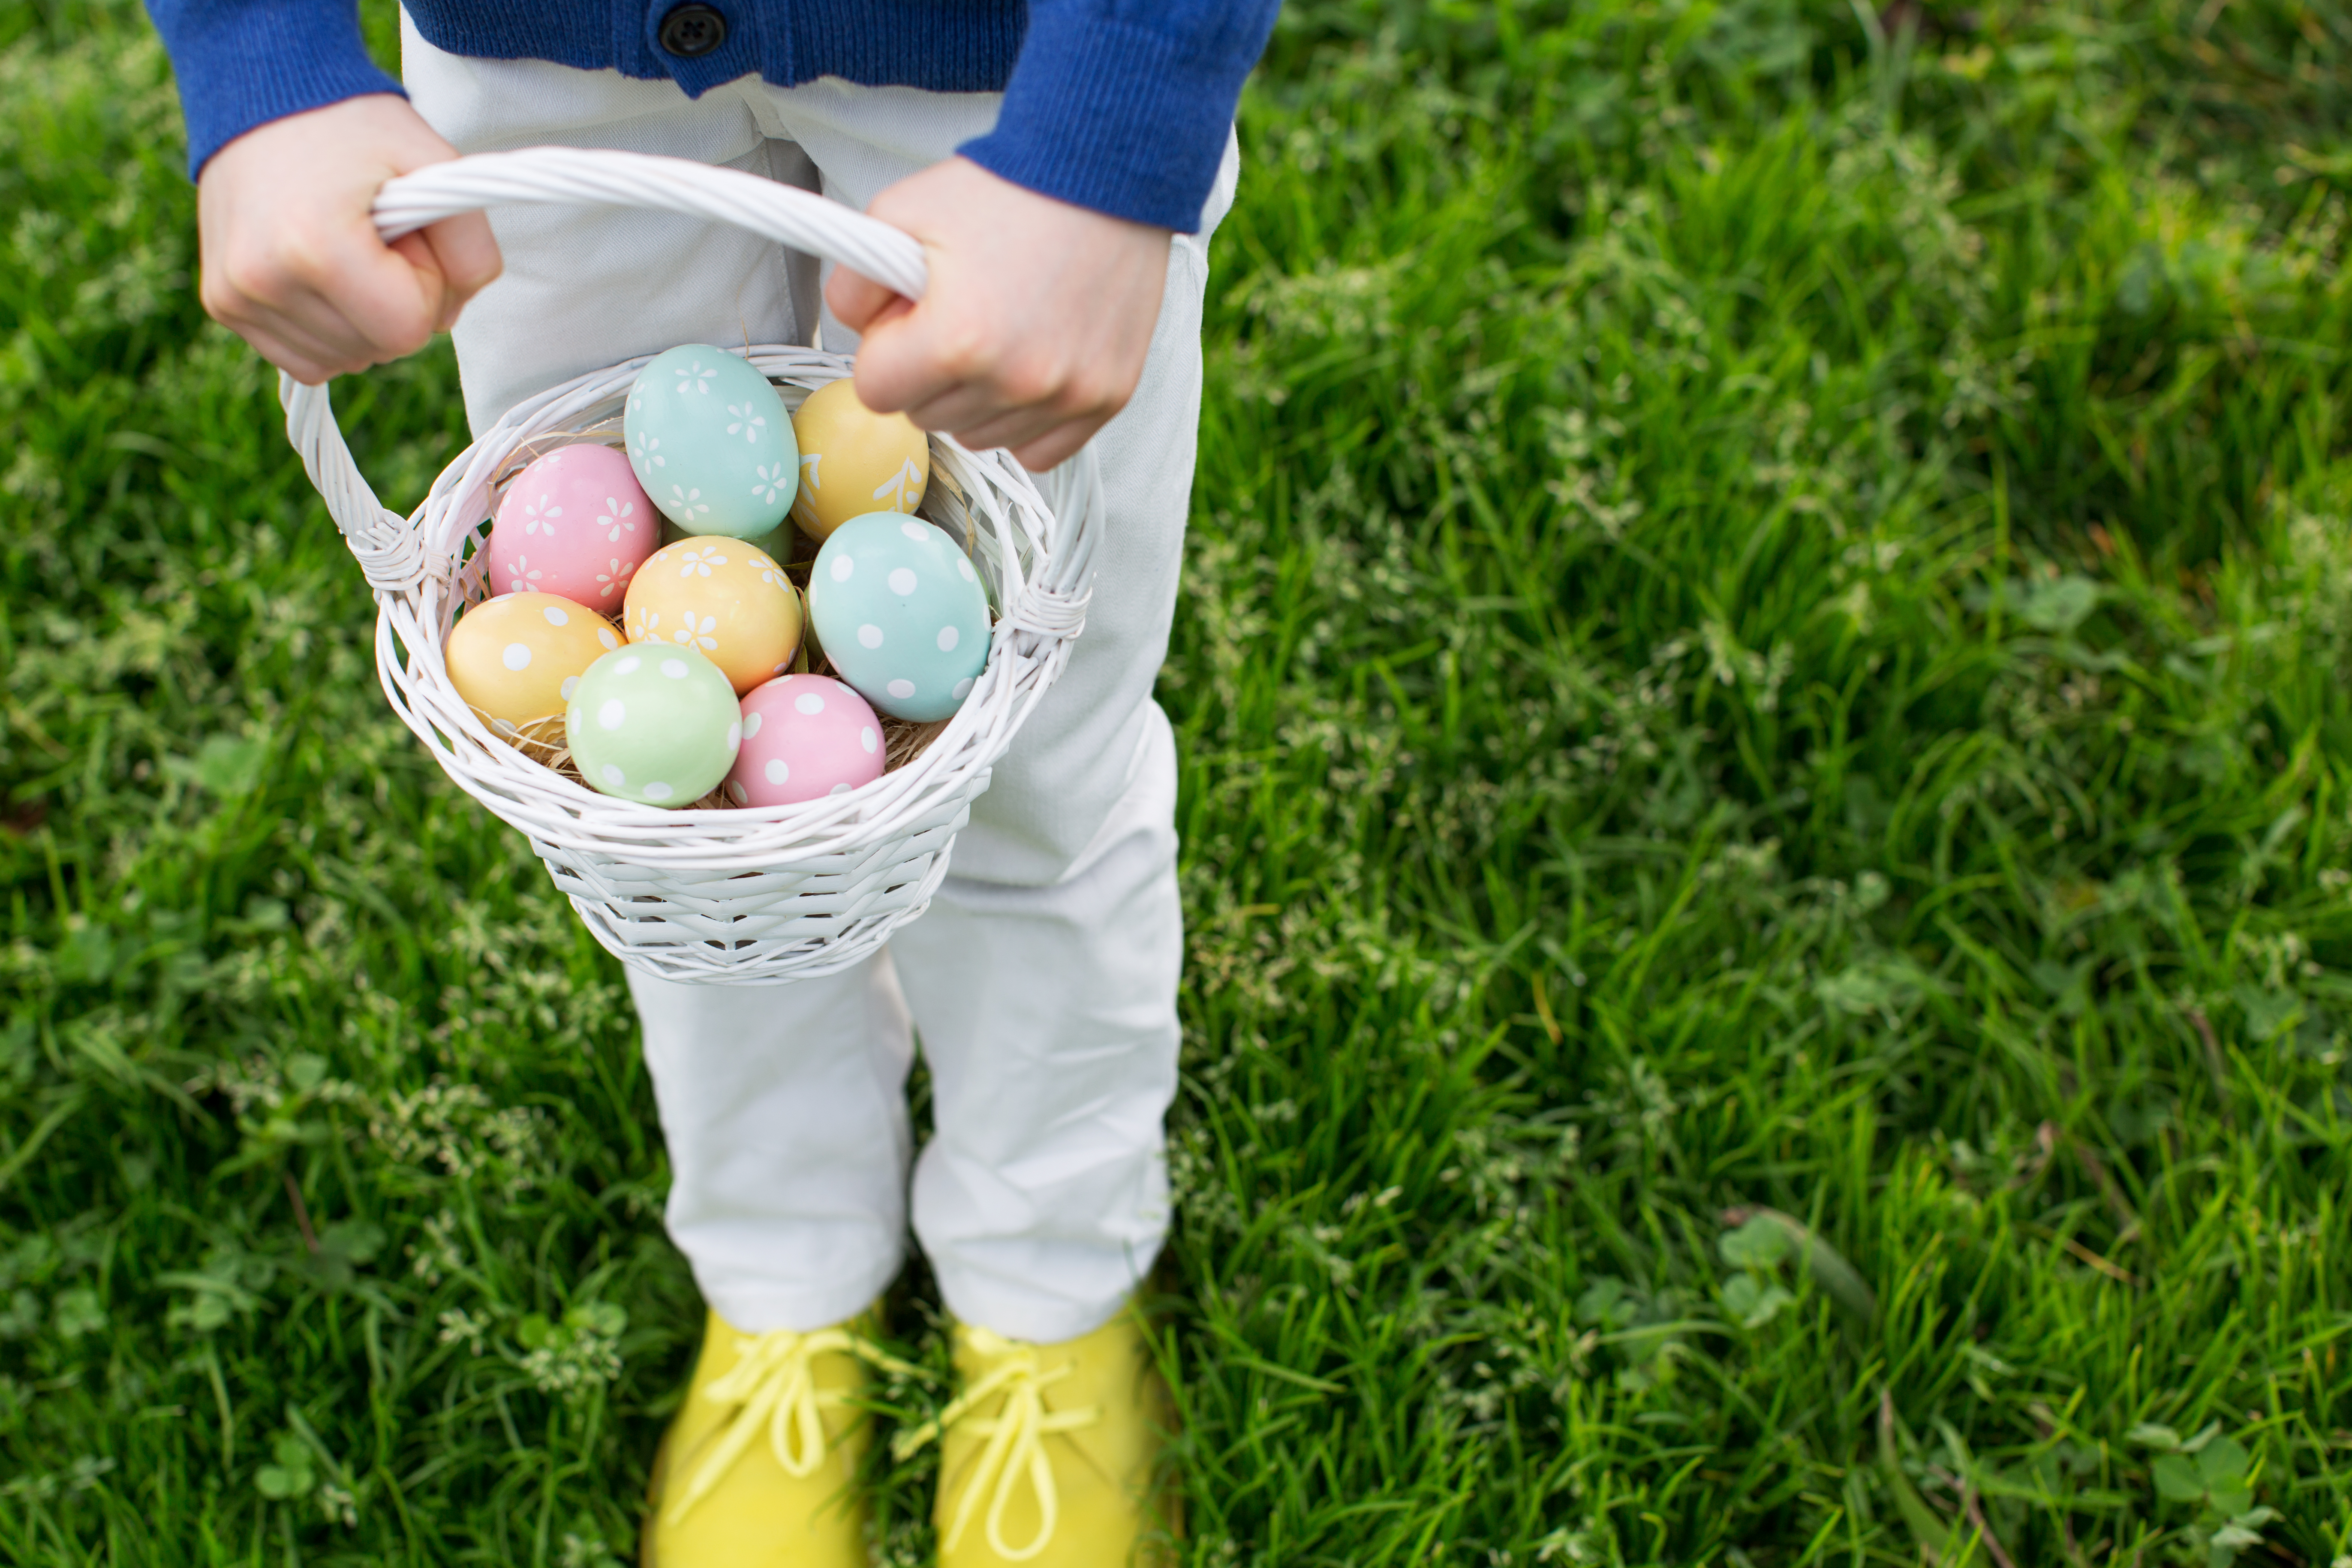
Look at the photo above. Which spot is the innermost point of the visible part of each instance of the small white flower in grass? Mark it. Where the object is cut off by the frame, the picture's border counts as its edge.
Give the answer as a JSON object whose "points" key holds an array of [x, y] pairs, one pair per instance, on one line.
{"points": [[685, 503], [748, 422], [647, 452], [696, 379], [617, 516], [770, 487], [698, 562]]}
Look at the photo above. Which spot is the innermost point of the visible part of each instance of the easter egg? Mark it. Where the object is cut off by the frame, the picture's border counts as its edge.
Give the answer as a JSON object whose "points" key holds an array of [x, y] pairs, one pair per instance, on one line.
{"points": [[805, 737], [853, 460], [517, 658], [655, 725], [723, 599], [573, 523], [901, 614], [711, 442]]}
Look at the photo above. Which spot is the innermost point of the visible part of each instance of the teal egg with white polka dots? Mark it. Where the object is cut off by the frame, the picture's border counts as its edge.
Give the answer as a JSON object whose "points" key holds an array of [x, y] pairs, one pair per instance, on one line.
{"points": [[901, 614], [655, 724], [711, 442]]}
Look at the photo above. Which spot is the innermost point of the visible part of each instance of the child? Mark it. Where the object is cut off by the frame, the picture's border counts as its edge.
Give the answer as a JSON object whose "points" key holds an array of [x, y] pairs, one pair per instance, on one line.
{"points": [[1064, 163]]}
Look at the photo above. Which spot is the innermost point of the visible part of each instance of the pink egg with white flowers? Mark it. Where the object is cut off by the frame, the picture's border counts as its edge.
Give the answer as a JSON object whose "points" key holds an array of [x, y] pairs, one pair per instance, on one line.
{"points": [[805, 737], [575, 523]]}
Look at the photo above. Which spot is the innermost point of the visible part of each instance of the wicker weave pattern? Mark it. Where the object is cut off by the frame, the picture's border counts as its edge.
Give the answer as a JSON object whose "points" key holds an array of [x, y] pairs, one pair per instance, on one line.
{"points": [[749, 896]]}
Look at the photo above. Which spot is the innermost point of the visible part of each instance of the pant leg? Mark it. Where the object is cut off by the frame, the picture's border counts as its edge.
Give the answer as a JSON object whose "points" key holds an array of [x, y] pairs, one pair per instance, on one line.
{"points": [[1042, 981], [785, 1112], [1048, 1018]]}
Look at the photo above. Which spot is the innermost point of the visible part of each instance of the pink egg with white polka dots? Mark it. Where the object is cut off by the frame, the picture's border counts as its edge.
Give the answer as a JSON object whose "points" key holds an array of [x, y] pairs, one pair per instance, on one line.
{"points": [[805, 737], [574, 524]]}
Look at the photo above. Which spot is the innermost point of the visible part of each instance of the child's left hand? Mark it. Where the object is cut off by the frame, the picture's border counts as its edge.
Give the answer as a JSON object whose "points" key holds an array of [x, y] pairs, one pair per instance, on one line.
{"points": [[1036, 325]]}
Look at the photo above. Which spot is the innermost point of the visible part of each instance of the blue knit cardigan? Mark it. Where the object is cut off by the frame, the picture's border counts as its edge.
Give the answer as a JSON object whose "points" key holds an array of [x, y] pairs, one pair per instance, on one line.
{"points": [[1117, 105]]}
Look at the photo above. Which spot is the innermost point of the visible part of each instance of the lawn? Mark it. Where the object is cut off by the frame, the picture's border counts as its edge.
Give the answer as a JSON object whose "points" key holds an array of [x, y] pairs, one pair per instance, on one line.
{"points": [[1766, 687]]}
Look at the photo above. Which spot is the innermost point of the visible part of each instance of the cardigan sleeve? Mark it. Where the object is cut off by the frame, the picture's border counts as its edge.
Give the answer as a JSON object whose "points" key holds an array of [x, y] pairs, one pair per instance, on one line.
{"points": [[1123, 105], [242, 63]]}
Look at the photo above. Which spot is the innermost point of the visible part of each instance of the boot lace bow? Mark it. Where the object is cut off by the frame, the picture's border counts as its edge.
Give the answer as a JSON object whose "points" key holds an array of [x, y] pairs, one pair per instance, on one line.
{"points": [[772, 1385], [1016, 1433]]}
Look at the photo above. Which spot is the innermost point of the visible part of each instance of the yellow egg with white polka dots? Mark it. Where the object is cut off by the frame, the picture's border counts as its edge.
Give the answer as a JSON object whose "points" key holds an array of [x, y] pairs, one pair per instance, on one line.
{"points": [[855, 461], [519, 657], [722, 598]]}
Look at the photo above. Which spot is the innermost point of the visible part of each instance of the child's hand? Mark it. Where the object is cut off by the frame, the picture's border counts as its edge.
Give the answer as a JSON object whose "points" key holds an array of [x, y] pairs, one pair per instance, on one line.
{"points": [[1038, 319], [291, 261]]}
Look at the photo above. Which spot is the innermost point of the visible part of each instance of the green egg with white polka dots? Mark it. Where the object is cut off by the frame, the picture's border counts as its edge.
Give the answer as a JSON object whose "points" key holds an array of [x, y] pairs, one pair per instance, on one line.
{"points": [[655, 724]]}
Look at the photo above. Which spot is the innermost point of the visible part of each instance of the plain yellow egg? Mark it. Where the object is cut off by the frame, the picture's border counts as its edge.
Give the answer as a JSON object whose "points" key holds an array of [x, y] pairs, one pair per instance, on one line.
{"points": [[517, 658], [853, 460], [725, 599]]}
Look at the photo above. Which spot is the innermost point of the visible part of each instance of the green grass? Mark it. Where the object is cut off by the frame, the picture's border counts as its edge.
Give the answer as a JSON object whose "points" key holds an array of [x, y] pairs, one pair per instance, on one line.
{"points": [[1770, 628]]}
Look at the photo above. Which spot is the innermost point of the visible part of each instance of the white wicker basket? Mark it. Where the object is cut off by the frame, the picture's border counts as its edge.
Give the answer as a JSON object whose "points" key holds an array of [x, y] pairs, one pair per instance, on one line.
{"points": [[746, 896]]}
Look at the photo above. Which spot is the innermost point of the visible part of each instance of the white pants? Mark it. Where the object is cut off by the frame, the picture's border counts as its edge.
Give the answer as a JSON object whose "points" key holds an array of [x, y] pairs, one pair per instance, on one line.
{"points": [[1044, 978]]}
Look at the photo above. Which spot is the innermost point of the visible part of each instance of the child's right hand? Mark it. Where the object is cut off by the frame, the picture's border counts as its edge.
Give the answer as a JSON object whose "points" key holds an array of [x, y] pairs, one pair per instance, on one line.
{"points": [[291, 260]]}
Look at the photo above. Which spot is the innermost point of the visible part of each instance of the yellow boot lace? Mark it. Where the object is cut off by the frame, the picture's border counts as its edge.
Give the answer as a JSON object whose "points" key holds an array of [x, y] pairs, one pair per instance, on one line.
{"points": [[773, 1386], [1017, 1441]]}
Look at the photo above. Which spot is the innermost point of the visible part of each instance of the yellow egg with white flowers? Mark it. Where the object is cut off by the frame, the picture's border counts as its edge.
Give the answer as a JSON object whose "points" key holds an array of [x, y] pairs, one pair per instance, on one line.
{"points": [[855, 461], [722, 598]]}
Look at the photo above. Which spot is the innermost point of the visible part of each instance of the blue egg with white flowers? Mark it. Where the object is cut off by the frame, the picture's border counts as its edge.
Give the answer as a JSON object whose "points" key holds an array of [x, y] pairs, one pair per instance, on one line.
{"points": [[901, 614], [711, 442]]}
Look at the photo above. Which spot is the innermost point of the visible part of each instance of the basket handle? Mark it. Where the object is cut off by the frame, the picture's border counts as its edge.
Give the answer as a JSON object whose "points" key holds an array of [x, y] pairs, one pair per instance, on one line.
{"points": [[389, 551]]}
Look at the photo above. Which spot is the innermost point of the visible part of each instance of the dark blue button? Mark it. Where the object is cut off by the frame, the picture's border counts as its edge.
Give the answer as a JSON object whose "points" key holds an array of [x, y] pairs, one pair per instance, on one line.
{"points": [[691, 32]]}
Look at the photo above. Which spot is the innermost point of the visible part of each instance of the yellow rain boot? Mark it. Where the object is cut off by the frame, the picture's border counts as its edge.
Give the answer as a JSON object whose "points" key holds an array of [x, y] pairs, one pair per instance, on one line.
{"points": [[1049, 1456], [759, 1468]]}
